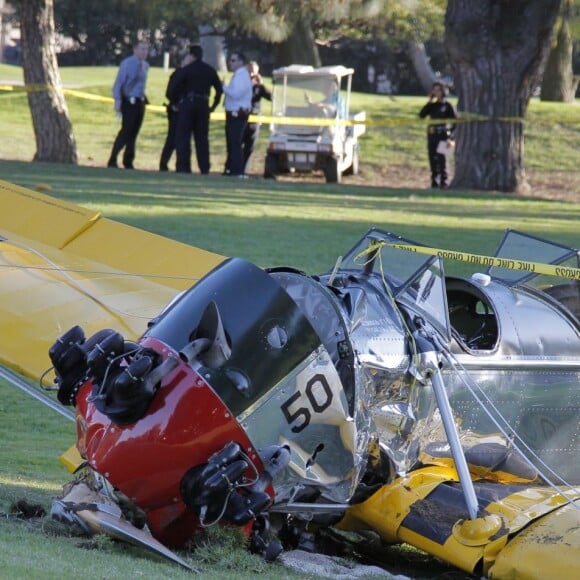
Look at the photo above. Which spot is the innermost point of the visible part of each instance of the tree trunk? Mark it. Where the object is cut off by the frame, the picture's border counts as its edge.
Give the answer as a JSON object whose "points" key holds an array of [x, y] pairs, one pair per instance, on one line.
{"points": [[300, 46], [497, 50], [423, 69], [559, 83], [212, 43], [2, 39], [52, 128]]}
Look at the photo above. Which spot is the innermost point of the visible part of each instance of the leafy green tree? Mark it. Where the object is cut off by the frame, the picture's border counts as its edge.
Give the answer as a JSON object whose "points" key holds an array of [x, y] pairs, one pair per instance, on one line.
{"points": [[104, 30], [52, 128], [406, 25], [497, 50], [411, 20], [288, 24]]}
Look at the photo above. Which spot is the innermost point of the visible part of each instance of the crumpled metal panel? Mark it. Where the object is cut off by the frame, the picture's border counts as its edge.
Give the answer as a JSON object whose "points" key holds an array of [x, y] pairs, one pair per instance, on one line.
{"points": [[531, 377], [387, 398], [325, 441], [329, 392]]}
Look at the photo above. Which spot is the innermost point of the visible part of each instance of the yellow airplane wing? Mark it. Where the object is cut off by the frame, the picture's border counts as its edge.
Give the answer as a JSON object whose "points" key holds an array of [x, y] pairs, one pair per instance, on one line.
{"points": [[61, 265]]}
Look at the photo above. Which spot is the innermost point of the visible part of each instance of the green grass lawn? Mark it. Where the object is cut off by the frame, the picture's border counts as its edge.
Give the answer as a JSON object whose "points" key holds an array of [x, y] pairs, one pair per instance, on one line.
{"points": [[395, 135], [304, 224]]}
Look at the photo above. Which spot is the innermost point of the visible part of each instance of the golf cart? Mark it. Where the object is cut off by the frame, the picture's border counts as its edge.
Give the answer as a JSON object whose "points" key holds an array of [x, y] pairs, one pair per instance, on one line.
{"points": [[318, 139]]}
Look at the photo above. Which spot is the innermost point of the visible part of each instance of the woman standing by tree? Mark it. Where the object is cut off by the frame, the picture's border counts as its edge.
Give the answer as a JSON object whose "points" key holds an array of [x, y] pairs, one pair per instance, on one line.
{"points": [[438, 108]]}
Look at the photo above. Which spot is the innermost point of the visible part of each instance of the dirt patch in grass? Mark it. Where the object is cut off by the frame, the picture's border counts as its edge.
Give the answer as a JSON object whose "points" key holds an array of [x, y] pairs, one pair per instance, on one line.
{"points": [[551, 185]]}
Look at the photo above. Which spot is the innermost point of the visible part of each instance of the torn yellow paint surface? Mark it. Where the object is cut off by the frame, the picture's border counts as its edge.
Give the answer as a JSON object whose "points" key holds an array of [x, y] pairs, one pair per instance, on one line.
{"points": [[525, 519], [547, 548]]}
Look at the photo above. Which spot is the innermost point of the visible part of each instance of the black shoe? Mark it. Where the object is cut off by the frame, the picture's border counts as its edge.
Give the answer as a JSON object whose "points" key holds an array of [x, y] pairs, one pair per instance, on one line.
{"points": [[443, 185], [434, 184], [112, 165], [128, 166], [163, 168]]}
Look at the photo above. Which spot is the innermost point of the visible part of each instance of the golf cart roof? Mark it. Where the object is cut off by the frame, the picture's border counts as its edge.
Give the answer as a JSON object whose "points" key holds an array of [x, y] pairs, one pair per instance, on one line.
{"points": [[302, 70]]}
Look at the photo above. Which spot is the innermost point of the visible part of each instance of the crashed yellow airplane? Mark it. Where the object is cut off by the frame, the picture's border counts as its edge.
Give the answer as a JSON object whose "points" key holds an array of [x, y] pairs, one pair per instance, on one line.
{"points": [[383, 395]]}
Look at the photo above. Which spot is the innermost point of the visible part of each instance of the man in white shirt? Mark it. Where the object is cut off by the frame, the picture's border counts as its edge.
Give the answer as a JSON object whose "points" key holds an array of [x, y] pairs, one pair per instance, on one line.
{"points": [[238, 104]]}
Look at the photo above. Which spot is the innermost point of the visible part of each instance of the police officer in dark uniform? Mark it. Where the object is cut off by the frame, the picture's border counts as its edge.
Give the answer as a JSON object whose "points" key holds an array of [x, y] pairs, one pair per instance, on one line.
{"points": [[190, 86], [438, 108], [172, 114]]}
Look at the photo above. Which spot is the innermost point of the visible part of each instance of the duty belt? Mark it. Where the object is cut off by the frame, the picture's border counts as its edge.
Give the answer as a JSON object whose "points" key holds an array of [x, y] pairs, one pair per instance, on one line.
{"points": [[134, 100], [239, 113], [192, 96], [438, 129]]}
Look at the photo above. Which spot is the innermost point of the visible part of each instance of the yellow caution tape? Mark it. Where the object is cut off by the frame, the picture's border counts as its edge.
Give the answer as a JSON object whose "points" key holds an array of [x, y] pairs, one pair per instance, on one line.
{"points": [[510, 263], [312, 121], [308, 121], [87, 96], [101, 99]]}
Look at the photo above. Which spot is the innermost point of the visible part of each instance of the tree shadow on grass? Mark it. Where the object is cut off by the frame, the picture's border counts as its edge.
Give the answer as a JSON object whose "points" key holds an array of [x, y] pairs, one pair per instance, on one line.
{"points": [[304, 223]]}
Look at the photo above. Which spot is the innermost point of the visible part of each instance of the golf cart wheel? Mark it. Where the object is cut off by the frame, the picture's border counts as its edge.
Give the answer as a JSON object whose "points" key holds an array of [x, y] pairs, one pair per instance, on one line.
{"points": [[331, 171], [353, 169], [271, 166]]}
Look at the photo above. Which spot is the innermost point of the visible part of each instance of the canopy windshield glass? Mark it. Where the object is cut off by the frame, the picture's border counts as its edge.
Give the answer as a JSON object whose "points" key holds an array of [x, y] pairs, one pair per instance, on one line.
{"points": [[517, 248], [409, 277], [302, 97]]}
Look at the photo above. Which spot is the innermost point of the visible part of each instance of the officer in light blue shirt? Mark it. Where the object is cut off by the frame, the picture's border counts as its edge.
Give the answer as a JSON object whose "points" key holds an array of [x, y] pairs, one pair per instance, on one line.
{"points": [[130, 101], [238, 105]]}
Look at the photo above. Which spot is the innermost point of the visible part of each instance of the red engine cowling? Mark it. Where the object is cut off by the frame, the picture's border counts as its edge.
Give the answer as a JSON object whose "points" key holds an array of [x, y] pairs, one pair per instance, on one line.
{"points": [[157, 418], [185, 425]]}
